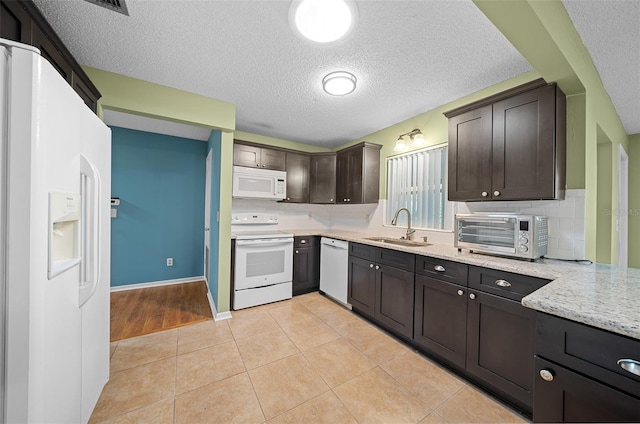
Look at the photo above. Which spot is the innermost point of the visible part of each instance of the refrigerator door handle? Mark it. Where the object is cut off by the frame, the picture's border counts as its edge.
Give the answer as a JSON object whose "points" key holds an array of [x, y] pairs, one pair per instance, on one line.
{"points": [[90, 264]]}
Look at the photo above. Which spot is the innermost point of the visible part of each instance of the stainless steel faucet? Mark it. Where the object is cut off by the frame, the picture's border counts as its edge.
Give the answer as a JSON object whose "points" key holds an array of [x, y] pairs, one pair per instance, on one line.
{"points": [[410, 231]]}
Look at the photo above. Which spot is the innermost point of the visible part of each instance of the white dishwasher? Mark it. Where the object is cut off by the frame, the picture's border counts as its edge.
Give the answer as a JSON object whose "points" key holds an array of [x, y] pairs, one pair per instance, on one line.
{"points": [[334, 268]]}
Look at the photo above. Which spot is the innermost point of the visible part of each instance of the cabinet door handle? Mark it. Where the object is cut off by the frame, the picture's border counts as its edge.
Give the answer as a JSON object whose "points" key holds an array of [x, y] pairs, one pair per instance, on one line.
{"points": [[344, 200], [297, 252], [348, 200], [630, 365], [370, 265], [377, 266], [258, 165], [547, 375], [496, 193], [485, 194], [460, 292], [472, 296], [439, 268], [331, 200], [264, 166], [503, 283], [303, 242], [288, 198]]}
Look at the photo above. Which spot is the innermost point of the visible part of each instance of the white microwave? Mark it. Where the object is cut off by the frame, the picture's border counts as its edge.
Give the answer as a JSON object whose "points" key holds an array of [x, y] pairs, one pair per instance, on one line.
{"points": [[256, 183]]}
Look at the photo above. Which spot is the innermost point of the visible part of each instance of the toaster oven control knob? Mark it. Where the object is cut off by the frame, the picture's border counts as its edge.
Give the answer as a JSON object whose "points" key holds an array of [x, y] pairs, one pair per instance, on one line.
{"points": [[523, 248], [524, 240]]}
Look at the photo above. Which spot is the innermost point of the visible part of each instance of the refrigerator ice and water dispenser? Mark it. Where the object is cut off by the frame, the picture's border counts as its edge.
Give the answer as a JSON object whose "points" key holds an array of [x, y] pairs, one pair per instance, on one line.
{"points": [[65, 212]]}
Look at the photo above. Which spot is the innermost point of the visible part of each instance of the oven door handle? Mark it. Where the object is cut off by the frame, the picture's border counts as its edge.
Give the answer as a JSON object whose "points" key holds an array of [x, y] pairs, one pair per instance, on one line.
{"points": [[258, 243]]}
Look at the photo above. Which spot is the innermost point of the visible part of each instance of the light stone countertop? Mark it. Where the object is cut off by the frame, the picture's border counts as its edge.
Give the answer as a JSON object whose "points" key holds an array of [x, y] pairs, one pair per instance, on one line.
{"points": [[598, 295]]}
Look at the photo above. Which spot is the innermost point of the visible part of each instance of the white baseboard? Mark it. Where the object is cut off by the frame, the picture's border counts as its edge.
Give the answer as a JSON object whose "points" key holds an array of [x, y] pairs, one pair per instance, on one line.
{"points": [[217, 316], [157, 283]]}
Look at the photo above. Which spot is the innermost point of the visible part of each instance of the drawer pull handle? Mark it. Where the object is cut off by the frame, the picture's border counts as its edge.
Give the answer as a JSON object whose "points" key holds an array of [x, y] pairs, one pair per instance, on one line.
{"points": [[370, 265], [297, 252], [377, 266], [630, 365], [503, 283], [472, 296], [460, 292], [439, 268], [303, 242], [547, 375]]}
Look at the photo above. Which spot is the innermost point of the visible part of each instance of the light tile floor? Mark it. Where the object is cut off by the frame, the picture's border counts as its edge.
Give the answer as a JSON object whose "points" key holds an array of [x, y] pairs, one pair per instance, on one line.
{"points": [[304, 360]]}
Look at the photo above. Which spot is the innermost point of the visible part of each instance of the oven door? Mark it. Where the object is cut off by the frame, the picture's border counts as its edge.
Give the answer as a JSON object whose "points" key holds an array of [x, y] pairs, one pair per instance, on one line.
{"points": [[263, 262], [490, 234]]}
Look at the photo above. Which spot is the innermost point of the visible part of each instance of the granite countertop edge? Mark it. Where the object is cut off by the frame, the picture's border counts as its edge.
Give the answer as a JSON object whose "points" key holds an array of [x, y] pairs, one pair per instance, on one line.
{"points": [[601, 296]]}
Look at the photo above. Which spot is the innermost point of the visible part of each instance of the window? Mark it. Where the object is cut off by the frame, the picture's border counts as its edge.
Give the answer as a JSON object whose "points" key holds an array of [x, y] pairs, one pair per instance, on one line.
{"points": [[417, 181]]}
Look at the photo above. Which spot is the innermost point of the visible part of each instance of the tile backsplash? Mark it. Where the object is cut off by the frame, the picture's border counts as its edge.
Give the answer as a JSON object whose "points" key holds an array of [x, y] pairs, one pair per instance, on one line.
{"points": [[566, 220]]}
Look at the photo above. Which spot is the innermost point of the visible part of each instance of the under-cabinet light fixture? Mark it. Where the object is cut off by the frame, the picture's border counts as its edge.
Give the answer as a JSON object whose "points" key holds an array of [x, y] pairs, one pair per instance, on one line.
{"points": [[416, 137]]}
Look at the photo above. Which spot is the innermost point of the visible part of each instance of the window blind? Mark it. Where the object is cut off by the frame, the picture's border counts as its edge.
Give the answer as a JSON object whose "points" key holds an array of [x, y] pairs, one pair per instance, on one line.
{"points": [[417, 181]]}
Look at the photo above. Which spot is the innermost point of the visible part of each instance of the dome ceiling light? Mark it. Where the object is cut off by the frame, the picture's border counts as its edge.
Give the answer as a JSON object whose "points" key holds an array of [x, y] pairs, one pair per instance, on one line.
{"points": [[322, 21], [339, 83]]}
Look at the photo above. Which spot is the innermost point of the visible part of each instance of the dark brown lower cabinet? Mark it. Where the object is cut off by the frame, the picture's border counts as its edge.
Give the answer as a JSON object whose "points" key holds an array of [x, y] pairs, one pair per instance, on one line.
{"points": [[500, 345], [306, 265], [441, 319], [566, 396], [381, 287], [394, 299], [362, 285], [579, 375]]}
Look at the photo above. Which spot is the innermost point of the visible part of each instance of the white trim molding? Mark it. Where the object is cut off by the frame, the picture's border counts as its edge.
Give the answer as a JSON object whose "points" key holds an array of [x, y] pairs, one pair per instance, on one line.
{"points": [[217, 316], [157, 283]]}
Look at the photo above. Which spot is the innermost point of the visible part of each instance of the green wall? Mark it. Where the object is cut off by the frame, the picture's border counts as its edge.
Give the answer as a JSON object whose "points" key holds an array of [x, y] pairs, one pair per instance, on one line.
{"points": [[634, 201], [605, 156]]}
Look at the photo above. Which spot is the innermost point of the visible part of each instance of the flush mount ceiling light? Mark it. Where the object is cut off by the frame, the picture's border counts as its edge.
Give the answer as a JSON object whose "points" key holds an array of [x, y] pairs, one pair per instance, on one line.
{"points": [[322, 21], [416, 137], [339, 83]]}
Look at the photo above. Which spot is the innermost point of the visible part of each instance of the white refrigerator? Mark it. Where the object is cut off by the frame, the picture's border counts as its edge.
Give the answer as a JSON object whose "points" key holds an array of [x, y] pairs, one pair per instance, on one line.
{"points": [[55, 185]]}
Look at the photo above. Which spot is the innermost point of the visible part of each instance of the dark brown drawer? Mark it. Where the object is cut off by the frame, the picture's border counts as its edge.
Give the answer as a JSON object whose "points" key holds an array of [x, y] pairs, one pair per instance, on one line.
{"points": [[452, 272], [304, 241], [588, 350], [362, 251], [395, 258], [505, 284]]}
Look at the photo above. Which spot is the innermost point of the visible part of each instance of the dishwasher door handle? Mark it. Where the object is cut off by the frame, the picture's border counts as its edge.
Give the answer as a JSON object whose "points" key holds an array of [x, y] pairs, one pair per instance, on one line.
{"points": [[335, 247]]}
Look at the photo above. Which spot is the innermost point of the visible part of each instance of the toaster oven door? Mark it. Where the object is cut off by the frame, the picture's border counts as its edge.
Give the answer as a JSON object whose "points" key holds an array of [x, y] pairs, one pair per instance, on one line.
{"points": [[490, 234]]}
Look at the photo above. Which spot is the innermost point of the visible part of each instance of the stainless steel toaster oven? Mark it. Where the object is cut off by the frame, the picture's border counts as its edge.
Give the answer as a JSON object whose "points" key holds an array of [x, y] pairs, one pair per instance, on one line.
{"points": [[515, 235]]}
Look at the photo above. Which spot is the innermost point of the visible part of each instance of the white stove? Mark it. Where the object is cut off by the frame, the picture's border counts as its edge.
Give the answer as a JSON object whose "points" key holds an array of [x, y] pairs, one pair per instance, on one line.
{"points": [[263, 260]]}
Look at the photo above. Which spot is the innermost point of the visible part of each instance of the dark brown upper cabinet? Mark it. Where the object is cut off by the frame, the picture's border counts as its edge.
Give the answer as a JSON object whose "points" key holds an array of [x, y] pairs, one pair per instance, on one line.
{"points": [[253, 156], [22, 21], [322, 187], [510, 146], [358, 174], [298, 166]]}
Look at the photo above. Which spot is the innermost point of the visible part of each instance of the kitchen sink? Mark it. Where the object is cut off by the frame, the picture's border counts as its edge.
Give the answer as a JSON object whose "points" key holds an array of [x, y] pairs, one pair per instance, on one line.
{"points": [[400, 242]]}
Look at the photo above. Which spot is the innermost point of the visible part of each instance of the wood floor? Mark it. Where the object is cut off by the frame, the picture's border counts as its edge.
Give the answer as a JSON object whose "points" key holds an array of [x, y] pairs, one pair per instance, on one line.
{"points": [[144, 311]]}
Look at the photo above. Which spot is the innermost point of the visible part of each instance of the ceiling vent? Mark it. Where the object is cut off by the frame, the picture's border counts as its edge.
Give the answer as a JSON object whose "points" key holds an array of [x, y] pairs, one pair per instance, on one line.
{"points": [[115, 5]]}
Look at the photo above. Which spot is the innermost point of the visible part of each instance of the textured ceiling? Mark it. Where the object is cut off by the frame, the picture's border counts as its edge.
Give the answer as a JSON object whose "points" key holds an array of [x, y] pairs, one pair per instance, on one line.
{"points": [[611, 32], [408, 56]]}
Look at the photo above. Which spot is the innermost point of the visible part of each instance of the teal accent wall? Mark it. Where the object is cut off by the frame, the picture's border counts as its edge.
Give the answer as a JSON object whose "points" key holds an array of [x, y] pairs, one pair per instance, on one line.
{"points": [[160, 182], [214, 145]]}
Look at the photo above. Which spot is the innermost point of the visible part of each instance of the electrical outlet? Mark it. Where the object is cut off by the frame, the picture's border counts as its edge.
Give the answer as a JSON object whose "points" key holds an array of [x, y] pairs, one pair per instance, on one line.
{"points": [[169, 261]]}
